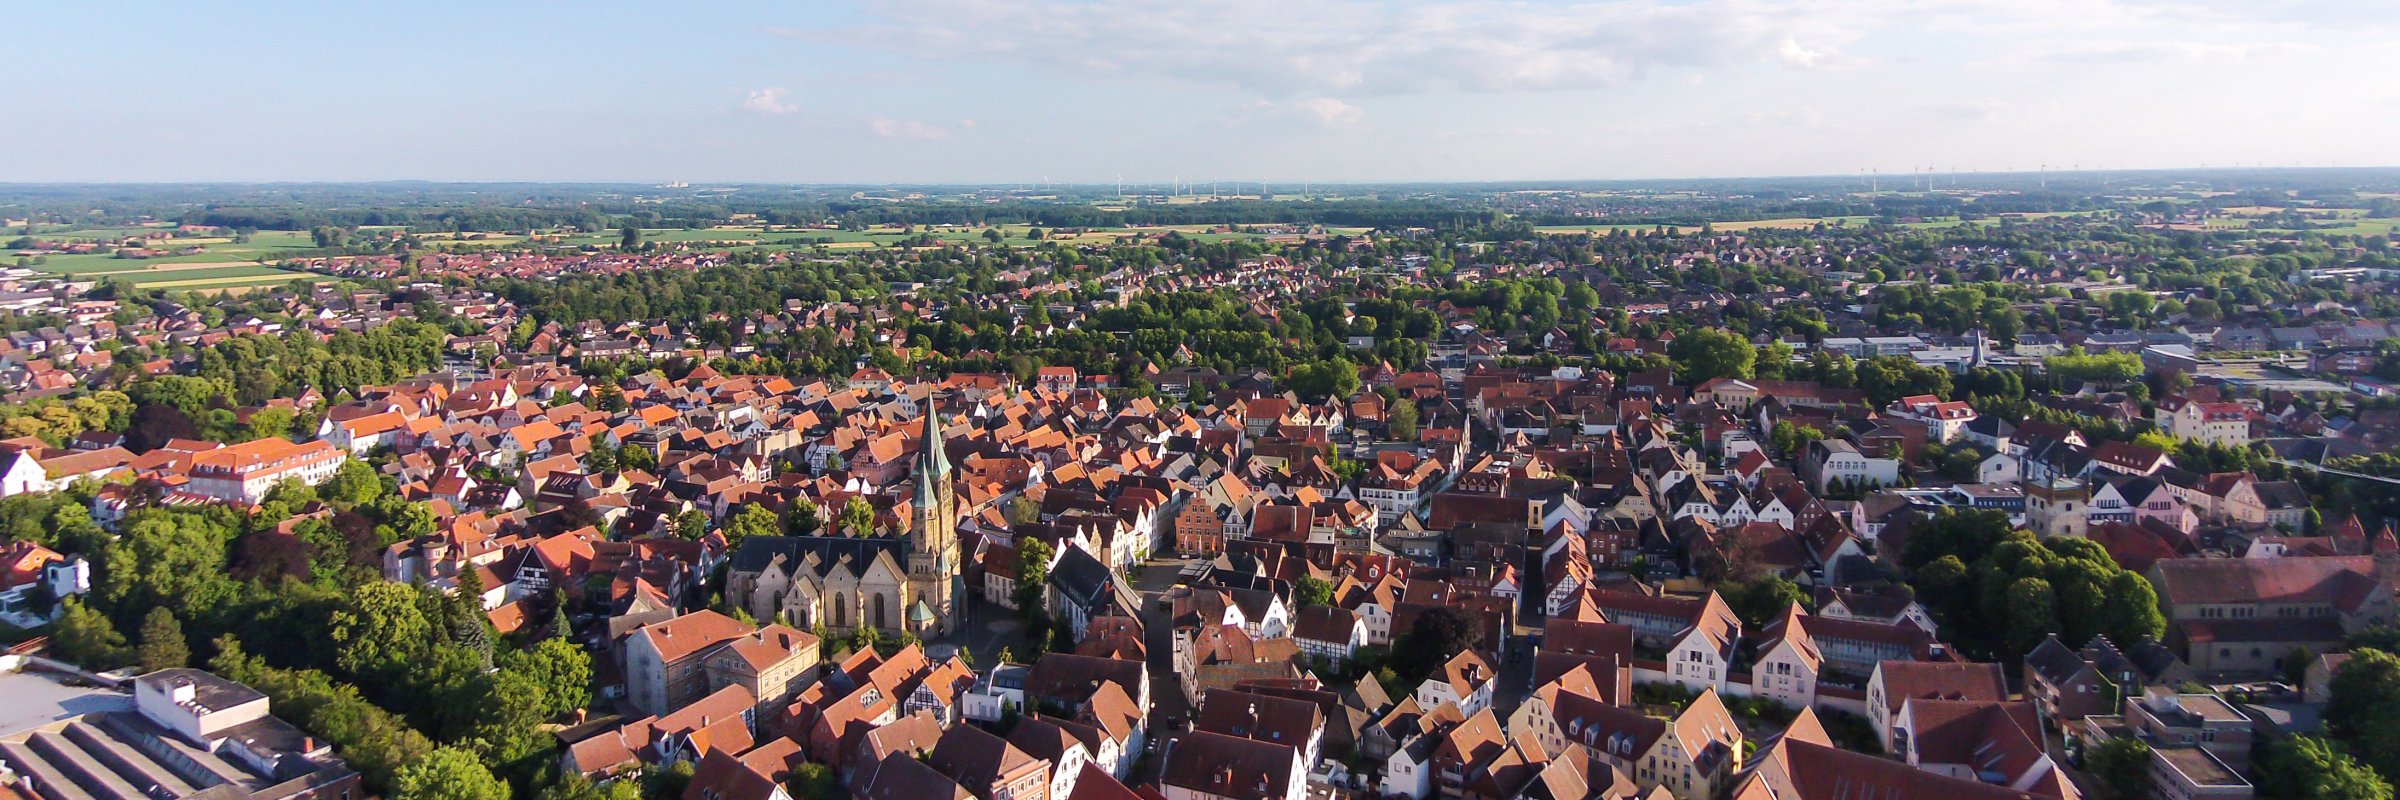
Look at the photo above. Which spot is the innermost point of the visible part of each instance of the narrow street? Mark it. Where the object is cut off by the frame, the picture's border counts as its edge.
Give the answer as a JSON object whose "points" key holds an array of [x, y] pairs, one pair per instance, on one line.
{"points": [[1168, 707]]}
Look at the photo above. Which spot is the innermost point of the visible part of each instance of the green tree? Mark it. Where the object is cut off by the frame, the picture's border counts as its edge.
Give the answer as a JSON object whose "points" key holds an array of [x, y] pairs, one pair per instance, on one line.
{"points": [[561, 668], [447, 773], [2310, 768], [2122, 766], [1332, 378], [752, 520], [865, 637], [858, 517], [1791, 439], [2079, 366], [2364, 715], [354, 483], [168, 557], [85, 636], [1889, 378], [812, 779], [600, 459], [504, 727], [2132, 609], [1401, 420], [2033, 613], [1024, 511], [803, 517], [668, 783], [382, 624], [1033, 576], [1762, 601], [573, 785], [1708, 353], [269, 423], [163, 646], [629, 237], [637, 458], [1967, 534], [691, 525], [1312, 591]]}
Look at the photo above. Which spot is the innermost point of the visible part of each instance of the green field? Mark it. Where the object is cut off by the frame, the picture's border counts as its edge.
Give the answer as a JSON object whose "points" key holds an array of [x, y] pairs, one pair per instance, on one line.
{"points": [[2363, 227], [225, 263], [140, 277], [273, 278]]}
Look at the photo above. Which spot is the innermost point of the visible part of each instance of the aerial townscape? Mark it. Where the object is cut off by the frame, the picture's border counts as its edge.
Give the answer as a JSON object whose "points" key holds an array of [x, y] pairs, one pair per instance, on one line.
{"points": [[2039, 487], [1201, 400]]}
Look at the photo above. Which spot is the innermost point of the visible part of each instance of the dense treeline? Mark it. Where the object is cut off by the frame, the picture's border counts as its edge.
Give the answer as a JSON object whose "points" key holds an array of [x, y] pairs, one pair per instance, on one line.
{"points": [[291, 600], [456, 218]]}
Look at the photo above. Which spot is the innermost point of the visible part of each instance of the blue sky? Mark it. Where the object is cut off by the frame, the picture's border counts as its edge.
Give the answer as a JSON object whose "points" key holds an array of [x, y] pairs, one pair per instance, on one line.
{"points": [[1011, 91]]}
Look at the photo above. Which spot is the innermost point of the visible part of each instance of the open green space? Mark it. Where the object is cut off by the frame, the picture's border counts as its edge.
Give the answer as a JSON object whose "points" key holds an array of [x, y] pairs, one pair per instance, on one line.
{"points": [[263, 247]]}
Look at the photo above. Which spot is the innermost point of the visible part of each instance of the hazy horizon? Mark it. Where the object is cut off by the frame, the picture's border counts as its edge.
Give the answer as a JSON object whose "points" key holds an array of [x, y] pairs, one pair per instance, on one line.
{"points": [[1083, 92]]}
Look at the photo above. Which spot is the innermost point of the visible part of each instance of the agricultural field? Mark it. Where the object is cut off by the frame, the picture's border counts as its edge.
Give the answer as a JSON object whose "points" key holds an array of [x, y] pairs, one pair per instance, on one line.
{"points": [[2362, 226], [222, 262]]}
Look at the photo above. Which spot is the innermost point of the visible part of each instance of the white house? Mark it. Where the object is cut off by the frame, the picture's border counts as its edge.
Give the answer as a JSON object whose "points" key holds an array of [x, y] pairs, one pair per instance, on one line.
{"points": [[1466, 679], [1328, 631]]}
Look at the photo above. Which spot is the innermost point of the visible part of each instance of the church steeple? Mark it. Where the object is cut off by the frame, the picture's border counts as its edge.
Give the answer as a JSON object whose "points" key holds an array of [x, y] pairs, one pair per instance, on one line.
{"points": [[933, 563], [932, 467]]}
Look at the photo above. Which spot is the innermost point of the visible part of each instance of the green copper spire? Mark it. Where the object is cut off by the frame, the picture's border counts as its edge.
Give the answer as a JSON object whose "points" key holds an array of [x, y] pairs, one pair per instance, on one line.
{"points": [[933, 468]]}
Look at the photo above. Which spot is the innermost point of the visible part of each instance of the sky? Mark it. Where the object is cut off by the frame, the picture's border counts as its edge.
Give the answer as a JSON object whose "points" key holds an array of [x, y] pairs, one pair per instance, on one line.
{"points": [[1151, 91]]}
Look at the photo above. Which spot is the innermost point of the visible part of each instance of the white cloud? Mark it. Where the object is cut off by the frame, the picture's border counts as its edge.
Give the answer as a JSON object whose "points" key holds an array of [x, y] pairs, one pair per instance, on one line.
{"points": [[1794, 53], [907, 129], [769, 100], [1311, 48], [1330, 112], [1287, 49]]}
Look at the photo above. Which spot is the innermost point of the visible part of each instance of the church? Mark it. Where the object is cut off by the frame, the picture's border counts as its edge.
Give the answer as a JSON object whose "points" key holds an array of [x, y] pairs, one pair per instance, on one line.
{"points": [[910, 581]]}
